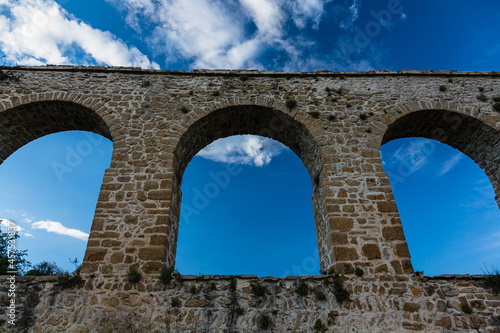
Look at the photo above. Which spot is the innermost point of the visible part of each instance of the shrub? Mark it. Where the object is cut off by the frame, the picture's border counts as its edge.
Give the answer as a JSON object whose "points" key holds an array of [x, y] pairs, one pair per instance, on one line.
{"points": [[318, 325], [239, 311], [302, 289], [264, 321], [232, 284], [368, 130], [492, 280], [332, 117], [175, 302], [193, 290], [481, 89], [291, 104], [496, 99], [191, 93], [166, 275], [359, 271], [134, 276], [331, 271], [348, 105], [466, 308], [363, 116], [327, 89], [450, 80], [213, 286], [482, 97], [19, 262], [496, 106], [244, 77], [340, 292], [184, 109], [442, 88], [320, 296], [200, 277], [69, 281], [145, 83], [215, 93], [46, 268], [258, 289], [314, 114]]}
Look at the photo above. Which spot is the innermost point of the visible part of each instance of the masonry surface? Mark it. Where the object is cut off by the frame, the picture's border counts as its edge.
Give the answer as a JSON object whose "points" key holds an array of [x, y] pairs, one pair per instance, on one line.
{"points": [[335, 122]]}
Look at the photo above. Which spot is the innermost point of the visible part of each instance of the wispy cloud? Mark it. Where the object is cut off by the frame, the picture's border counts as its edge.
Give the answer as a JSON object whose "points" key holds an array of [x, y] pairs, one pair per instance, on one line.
{"points": [[9, 224], [448, 165], [245, 149], [58, 228], [36, 32], [352, 15], [412, 156]]}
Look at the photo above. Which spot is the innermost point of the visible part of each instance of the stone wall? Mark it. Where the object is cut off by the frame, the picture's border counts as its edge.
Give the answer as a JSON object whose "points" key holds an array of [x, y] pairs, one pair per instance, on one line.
{"points": [[228, 304], [335, 122]]}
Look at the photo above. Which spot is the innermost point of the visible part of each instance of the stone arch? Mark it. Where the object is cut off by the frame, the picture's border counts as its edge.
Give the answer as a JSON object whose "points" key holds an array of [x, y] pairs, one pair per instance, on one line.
{"points": [[286, 126], [24, 123], [475, 134]]}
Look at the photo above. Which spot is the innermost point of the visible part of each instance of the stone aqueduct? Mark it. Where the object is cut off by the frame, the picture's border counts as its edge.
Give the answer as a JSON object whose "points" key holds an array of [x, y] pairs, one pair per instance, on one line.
{"points": [[335, 122]]}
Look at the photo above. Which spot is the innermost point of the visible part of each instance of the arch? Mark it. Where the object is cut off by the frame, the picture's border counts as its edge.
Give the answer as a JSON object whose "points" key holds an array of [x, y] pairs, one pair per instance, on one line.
{"points": [[473, 137], [24, 123], [257, 120]]}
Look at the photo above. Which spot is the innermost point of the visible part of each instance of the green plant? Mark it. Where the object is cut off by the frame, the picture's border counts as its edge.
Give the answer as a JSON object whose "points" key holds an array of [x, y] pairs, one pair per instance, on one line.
{"points": [[320, 296], [134, 276], [342, 77], [492, 280], [215, 93], [175, 302], [46, 268], [318, 325], [258, 289], [340, 291], [69, 281], [200, 277], [232, 284], [16, 262], [145, 83], [481, 89], [327, 89], [368, 130], [332, 117], [450, 80], [466, 308], [243, 77], [314, 114], [239, 311], [302, 289], [482, 97], [331, 271], [359, 271], [264, 321], [213, 286], [166, 275], [291, 104], [348, 105], [193, 290], [442, 88], [191, 93], [496, 99], [496, 106], [363, 116], [210, 84], [184, 109]]}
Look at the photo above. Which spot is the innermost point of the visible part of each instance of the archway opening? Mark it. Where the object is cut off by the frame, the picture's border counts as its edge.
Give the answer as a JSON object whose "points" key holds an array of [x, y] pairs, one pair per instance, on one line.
{"points": [[444, 175], [50, 190], [246, 209], [259, 121], [53, 156]]}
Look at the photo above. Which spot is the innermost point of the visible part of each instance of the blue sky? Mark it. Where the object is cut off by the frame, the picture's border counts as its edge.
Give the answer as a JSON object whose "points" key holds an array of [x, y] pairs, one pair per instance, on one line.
{"points": [[445, 200]]}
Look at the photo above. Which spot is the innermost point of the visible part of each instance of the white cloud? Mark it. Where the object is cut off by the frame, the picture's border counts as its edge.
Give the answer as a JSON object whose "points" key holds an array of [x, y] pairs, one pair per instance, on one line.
{"points": [[27, 234], [244, 149], [448, 165], [303, 11], [58, 228], [9, 224], [39, 31], [353, 14]]}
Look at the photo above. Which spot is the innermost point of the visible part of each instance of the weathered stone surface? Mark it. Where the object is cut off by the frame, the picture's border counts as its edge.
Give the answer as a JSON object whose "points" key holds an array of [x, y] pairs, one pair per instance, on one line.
{"points": [[357, 224]]}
